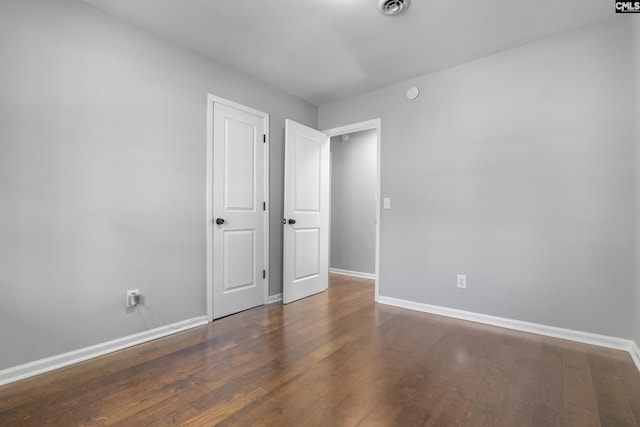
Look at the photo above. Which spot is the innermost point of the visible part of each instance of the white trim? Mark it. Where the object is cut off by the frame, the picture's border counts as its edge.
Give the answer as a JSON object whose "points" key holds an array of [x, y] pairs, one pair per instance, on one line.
{"points": [[352, 273], [209, 207], [267, 211], [274, 298], [518, 325], [635, 354], [41, 366], [211, 100], [356, 127]]}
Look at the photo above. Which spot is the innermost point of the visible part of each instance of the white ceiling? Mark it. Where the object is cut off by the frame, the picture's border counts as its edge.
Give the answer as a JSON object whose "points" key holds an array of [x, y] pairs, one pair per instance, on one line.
{"points": [[325, 50]]}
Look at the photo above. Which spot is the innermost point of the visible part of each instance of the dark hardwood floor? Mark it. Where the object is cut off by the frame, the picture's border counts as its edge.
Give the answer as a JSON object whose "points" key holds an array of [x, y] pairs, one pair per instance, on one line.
{"points": [[337, 359]]}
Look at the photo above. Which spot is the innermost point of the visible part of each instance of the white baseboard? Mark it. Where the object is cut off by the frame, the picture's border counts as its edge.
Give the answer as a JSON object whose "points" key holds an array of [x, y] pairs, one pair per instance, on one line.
{"points": [[274, 298], [518, 325], [635, 354], [352, 273], [41, 366]]}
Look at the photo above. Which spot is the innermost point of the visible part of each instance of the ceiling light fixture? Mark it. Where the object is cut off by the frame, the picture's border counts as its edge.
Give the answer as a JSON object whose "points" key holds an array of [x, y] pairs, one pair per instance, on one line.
{"points": [[393, 7]]}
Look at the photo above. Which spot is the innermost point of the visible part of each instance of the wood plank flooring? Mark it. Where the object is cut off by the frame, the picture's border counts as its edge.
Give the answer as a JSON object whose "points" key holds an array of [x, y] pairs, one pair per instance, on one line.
{"points": [[337, 359]]}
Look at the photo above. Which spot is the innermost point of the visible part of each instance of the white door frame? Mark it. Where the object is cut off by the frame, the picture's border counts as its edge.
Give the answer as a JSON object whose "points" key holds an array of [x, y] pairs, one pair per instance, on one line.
{"points": [[211, 100], [356, 127]]}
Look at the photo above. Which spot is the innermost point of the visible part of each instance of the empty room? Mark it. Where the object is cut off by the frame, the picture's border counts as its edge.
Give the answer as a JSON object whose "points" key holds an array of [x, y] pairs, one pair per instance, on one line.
{"points": [[319, 213]]}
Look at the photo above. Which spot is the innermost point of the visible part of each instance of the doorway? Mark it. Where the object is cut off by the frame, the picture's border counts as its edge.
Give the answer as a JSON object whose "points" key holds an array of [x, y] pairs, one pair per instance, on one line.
{"points": [[352, 212], [306, 145], [353, 197]]}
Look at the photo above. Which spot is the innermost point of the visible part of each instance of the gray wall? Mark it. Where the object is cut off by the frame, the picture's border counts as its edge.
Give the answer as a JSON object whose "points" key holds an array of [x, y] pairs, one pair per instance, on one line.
{"points": [[353, 213], [636, 114], [515, 170], [102, 175]]}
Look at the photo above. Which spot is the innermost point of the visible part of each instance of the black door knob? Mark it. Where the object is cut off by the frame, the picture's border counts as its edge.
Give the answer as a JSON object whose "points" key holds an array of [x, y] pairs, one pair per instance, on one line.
{"points": [[219, 221], [292, 221]]}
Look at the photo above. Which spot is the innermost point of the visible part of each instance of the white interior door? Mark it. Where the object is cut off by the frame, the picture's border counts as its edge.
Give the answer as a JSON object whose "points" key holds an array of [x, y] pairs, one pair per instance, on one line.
{"points": [[306, 212], [238, 210]]}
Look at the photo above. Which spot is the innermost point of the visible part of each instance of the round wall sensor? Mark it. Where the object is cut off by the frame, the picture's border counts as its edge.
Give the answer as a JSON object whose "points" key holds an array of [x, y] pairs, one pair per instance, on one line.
{"points": [[412, 93]]}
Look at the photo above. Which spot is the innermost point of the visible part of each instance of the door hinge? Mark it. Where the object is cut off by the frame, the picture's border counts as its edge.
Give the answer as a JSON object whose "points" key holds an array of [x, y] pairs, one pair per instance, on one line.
{"points": [[264, 206], [264, 274], [264, 138]]}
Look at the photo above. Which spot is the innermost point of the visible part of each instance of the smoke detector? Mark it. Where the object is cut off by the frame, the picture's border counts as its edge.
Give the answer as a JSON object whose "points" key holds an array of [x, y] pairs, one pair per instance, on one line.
{"points": [[393, 7]]}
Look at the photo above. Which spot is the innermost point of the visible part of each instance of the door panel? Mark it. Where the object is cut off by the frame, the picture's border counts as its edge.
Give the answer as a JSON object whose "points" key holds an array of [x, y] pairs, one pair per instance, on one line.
{"points": [[306, 211], [307, 242], [238, 195], [307, 174], [239, 264], [239, 156]]}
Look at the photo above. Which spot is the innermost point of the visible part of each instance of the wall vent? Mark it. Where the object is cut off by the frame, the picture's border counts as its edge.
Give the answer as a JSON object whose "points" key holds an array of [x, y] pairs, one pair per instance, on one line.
{"points": [[393, 7]]}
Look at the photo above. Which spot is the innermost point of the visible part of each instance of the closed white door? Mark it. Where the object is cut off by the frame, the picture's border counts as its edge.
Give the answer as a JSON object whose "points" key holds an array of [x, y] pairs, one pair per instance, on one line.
{"points": [[238, 210], [306, 212]]}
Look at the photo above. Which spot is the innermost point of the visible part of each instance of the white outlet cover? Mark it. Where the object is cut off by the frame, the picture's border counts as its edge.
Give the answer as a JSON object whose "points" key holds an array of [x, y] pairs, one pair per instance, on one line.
{"points": [[129, 293]]}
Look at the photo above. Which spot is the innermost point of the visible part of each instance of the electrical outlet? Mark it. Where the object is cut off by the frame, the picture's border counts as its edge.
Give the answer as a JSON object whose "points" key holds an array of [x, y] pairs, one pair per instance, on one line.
{"points": [[462, 281], [133, 297]]}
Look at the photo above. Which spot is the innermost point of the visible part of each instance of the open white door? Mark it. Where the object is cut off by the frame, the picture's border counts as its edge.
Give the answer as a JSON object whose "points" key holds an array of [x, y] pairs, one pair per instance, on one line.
{"points": [[306, 212], [238, 210]]}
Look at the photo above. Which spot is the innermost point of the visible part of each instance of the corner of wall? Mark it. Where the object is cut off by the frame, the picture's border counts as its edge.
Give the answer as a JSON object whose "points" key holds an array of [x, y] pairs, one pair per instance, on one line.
{"points": [[636, 106]]}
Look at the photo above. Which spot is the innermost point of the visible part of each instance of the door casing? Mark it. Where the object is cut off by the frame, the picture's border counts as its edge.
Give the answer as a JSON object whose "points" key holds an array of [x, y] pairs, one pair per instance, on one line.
{"points": [[211, 100]]}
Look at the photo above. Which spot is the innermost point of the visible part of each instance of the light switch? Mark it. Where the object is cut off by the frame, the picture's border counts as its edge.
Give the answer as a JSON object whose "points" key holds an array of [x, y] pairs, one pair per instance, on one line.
{"points": [[387, 202]]}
